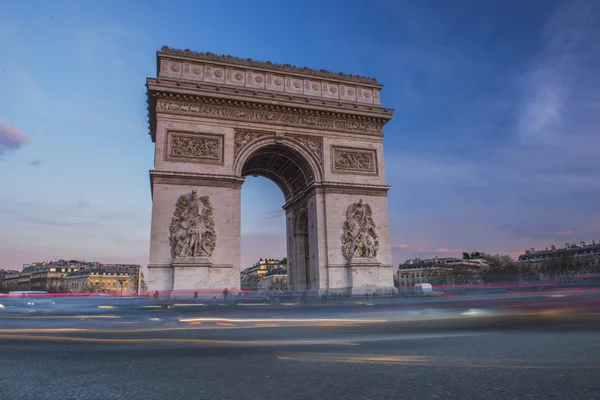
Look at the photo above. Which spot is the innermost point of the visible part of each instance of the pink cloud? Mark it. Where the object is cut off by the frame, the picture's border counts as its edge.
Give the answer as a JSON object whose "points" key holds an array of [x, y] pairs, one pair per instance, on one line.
{"points": [[565, 233], [445, 250], [407, 247], [11, 138], [402, 247]]}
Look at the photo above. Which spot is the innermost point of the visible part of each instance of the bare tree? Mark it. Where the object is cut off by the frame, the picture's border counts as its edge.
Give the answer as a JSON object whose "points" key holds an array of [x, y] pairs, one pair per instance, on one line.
{"points": [[501, 269], [438, 277], [462, 275], [562, 267], [278, 285], [252, 279]]}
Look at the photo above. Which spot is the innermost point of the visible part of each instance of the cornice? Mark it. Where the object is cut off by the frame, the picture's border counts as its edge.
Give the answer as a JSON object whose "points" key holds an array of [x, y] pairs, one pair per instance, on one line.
{"points": [[266, 65], [194, 179], [256, 95], [339, 188]]}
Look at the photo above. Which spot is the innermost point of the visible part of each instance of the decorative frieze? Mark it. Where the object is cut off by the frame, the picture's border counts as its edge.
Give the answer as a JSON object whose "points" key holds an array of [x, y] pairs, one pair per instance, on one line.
{"points": [[210, 68], [184, 146], [247, 112], [354, 160], [248, 62]]}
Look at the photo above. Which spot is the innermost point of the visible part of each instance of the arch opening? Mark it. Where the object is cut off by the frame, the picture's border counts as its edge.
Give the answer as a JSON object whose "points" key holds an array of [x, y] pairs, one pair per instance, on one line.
{"points": [[284, 166], [302, 272], [293, 174]]}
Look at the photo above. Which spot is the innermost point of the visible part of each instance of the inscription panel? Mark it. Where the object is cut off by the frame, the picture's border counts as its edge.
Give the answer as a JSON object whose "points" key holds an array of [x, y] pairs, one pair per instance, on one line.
{"points": [[349, 160], [194, 147]]}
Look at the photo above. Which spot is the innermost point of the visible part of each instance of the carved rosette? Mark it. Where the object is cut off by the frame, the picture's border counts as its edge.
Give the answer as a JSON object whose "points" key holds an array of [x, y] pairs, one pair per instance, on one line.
{"points": [[192, 229], [359, 232], [244, 138], [357, 161], [313, 144]]}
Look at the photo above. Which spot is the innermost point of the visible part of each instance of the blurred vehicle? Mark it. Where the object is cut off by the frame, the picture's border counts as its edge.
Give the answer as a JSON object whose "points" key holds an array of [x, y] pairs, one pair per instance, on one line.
{"points": [[251, 298], [26, 299]]}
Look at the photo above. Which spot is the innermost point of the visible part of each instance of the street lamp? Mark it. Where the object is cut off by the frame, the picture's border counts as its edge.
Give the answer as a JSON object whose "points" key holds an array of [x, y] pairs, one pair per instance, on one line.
{"points": [[121, 281]]}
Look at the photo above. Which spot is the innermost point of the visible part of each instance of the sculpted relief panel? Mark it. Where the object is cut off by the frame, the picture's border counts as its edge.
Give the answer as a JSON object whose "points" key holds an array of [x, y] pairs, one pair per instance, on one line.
{"points": [[194, 147], [359, 236], [192, 229], [357, 161]]}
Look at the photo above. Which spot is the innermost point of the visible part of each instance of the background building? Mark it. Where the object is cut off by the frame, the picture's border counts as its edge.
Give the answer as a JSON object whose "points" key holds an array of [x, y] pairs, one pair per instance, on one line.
{"points": [[270, 269], [51, 276], [583, 249], [99, 280], [439, 271]]}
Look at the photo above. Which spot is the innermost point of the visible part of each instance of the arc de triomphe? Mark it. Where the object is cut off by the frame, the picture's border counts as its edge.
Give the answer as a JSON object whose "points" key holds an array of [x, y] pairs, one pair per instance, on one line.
{"points": [[318, 135]]}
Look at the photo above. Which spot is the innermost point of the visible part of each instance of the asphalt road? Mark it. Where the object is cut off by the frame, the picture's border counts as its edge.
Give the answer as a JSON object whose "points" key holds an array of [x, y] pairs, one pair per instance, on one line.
{"points": [[356, 356]]}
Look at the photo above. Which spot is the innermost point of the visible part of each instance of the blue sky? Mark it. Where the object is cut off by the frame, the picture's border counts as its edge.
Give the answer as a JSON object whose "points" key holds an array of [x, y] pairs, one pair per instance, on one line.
{"points": [[494, 145]]}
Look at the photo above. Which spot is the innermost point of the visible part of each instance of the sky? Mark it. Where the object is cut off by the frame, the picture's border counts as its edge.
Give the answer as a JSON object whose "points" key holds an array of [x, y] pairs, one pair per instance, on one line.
{"points": [[493, 147]]}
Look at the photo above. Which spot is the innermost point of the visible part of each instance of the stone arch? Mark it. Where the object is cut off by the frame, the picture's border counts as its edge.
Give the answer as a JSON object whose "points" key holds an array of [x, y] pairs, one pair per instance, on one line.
{"points": [[317, 135], [283, 147]]}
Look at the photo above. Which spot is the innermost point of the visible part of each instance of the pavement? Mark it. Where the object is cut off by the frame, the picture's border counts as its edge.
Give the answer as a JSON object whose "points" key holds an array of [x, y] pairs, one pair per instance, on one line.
{"points": [[336, 353]]}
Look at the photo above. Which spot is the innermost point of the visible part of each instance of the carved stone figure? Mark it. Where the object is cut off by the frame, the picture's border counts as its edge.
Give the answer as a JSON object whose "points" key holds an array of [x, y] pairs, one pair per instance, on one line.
{"points": [[244, 138], [359, 237], [192, 229], [315, 145]]}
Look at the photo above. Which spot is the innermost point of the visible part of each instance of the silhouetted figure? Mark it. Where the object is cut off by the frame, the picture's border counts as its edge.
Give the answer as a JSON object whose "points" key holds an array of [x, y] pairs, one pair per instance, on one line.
{"points": [[156, 295], [196, 295], [226, 295]]}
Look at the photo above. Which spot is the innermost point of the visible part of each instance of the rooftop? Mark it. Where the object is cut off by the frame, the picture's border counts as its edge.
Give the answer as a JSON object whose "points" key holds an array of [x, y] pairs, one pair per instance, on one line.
{"points": [[248, 62]]}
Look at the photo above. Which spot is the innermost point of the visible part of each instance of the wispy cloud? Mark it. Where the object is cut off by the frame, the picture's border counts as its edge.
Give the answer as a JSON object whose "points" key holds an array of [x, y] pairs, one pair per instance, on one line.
{"points": [[565, 233], [559, 106], [11, 138], [444, 250], [409, 247], [278, 213], [82, 204], [35, 163]]}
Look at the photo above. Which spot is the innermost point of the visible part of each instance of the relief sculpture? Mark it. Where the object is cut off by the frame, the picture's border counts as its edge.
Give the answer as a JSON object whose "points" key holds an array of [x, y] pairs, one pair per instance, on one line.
{"points": [[346, 160], [192, 229], [315, 145], [273, 117], [195, 147], [244, 138], [359, 237]]}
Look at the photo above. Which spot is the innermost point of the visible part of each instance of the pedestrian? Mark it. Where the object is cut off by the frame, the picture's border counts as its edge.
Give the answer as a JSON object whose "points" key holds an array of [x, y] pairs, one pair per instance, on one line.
{"points": [[196, 295], [225, 295], [156, 295]]}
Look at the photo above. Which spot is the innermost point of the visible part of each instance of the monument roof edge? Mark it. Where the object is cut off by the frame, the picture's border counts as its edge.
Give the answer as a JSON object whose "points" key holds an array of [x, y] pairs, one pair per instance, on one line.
{"points": [[219, 92], [283, 68]]}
